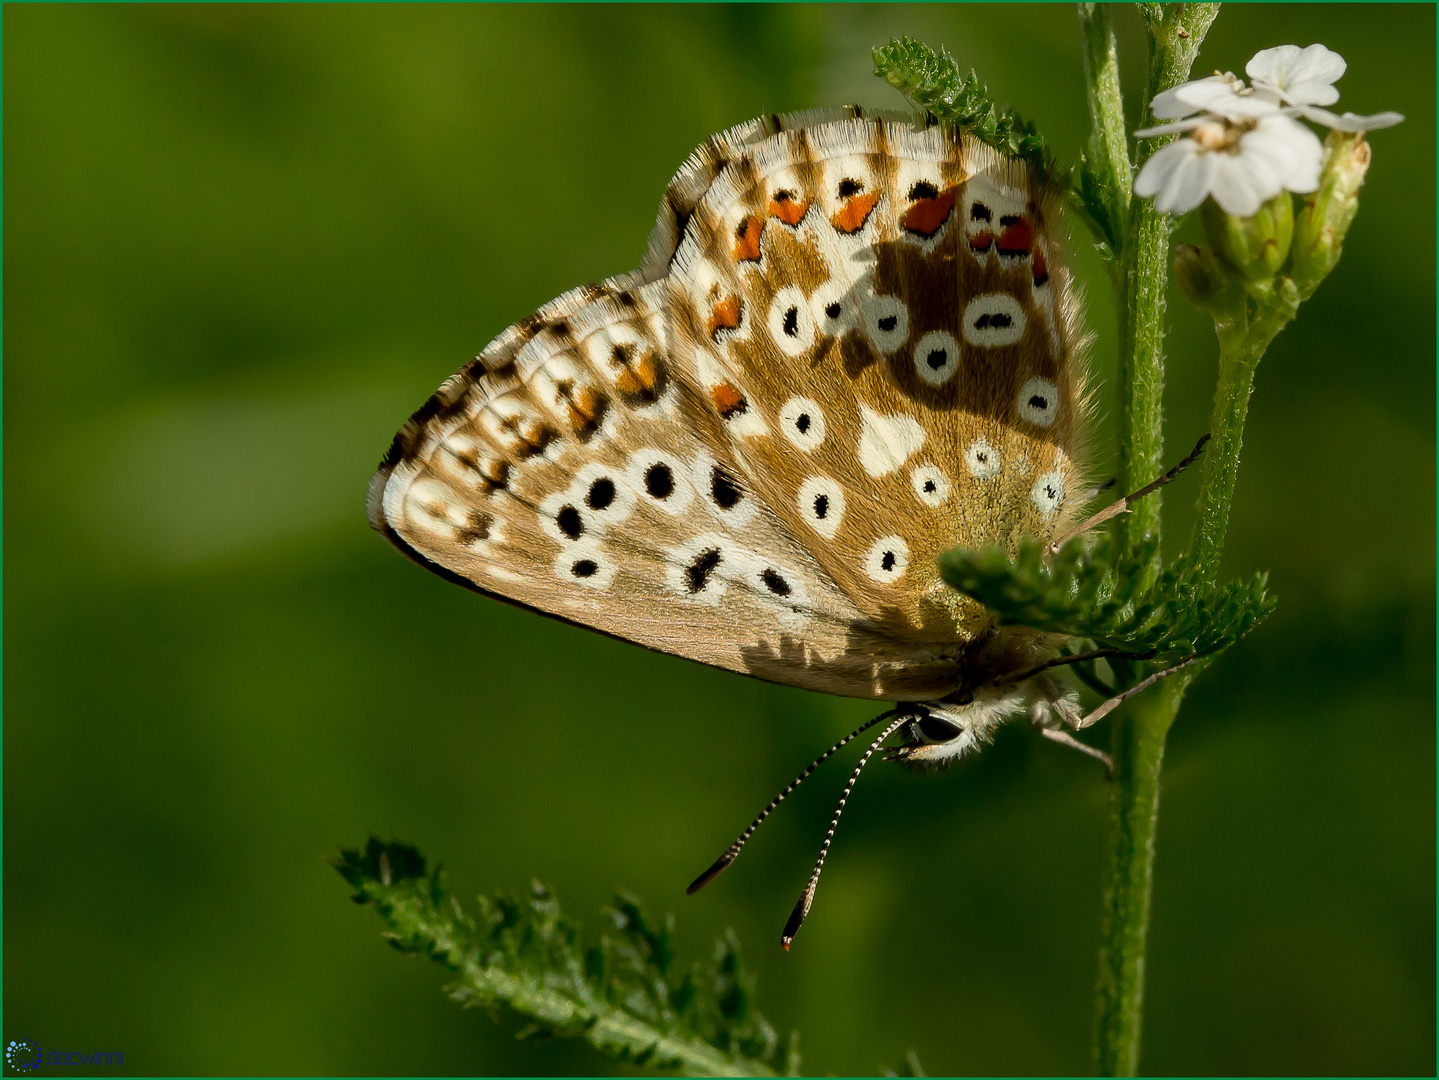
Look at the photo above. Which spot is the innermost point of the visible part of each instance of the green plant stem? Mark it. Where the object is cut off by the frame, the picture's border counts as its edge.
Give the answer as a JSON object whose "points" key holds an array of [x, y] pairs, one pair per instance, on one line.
{"points": [[1139, 734], [1174, 37], [1107, 156], [1221, 463], [1242, 341]]}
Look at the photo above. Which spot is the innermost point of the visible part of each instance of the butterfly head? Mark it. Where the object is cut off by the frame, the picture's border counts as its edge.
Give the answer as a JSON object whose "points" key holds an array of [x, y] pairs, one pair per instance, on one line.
{"points": [[940, 734]]}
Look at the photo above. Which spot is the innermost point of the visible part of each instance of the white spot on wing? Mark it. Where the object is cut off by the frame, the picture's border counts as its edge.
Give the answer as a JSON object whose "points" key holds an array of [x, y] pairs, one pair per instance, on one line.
{"points": [[1048, 493], [1039, 402], [887, 560], [821, 504], [647, 469], [982, 459], [886, 442], [886, 321], [936, 357], [802, 421], [833, 308], [992, 320], [585, 563], [790, 323], [931, 485]]}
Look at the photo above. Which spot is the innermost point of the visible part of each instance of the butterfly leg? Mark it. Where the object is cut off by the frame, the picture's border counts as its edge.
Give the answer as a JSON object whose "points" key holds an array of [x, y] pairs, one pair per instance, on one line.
{"points": [[1121, 506], [1053, 711], [1099, 712]]}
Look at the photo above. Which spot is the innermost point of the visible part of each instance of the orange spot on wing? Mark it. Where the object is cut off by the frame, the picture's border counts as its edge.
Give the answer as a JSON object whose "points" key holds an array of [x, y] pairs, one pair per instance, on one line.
{"points": [[855, 213], [746, 248], [1017, 238], [725, 316], [1041, 268], [926, 216], [728, 401], [787, 210], [981, 241]]}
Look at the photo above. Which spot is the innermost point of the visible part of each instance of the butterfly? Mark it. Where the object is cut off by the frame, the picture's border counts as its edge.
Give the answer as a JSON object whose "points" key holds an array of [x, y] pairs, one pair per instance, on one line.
{"points": [[852, 345]]}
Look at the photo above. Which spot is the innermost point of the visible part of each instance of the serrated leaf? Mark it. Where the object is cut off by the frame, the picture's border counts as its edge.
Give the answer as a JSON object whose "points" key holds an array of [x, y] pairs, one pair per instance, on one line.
{"points": [[933, 81], [1090, 592], [522, 954]]}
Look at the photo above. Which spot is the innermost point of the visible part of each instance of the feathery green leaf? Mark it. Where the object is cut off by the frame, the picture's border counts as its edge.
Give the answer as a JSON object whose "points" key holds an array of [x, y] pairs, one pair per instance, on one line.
{"points": [[932, 80], [1089, 591], [620, 995]]}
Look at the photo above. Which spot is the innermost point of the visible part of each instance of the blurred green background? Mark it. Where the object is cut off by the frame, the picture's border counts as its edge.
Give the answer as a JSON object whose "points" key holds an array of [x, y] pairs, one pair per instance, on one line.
{"points": [[243, 243]]}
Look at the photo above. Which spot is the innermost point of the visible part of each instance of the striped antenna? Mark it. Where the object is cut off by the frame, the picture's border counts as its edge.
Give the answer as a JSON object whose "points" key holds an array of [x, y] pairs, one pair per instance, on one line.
{"points": [[732, 852], [801, 909]]}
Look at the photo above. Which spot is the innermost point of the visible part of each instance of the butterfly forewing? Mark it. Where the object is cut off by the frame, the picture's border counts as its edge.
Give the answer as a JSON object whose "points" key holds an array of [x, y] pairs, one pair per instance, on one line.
{"points": [[849, 348]]}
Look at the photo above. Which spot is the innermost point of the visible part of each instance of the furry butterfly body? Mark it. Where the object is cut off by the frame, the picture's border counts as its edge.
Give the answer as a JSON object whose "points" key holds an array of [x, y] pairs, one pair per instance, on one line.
{"points": [[851, 346]]}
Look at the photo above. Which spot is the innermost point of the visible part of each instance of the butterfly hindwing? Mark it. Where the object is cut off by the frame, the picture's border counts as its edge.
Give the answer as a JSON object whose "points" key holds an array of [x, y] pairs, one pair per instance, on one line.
{"points": [[573, 469], [875, 314]]}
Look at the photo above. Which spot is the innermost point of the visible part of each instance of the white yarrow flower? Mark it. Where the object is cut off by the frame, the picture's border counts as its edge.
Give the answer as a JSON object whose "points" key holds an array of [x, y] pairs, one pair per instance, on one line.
{"points": [[1241, 168], [1244, 146], [1298, 76]]}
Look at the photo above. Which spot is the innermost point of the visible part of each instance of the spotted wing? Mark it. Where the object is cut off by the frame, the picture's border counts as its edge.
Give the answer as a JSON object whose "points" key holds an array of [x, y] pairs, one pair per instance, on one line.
{"points": [[573, 469], [875, 314]]}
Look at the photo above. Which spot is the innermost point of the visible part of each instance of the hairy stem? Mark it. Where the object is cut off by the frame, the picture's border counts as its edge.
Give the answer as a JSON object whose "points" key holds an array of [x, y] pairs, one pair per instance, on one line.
{"points": [[1174, 36], [1107, 156], [1138, 750], [1242, 341]]}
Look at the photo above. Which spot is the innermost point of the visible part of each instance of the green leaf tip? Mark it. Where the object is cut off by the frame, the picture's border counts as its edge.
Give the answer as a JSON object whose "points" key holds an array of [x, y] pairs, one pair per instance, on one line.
{"points": [[619, 994], [933, 82], [1089, 591]]}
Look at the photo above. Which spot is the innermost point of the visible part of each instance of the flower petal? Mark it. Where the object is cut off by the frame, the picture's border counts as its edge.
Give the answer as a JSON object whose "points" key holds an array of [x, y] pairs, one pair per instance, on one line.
{"points": [[1160, 169], [1288, 66], [1284, 150], [1190, 97], [1349, 121], [1189, 184], [1171, 128], [1238, 187], [1167, 106], [1269, 64]]}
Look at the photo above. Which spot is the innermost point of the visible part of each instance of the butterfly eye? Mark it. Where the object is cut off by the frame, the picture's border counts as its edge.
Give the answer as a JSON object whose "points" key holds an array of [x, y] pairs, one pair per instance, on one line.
{"points": [[932, 729], [992, 320], [802, 422], [936, 357], [821, 504], [791, 325], [1048, 493], [886, 320], [981, 459], [887, 560], [1039, 402]]}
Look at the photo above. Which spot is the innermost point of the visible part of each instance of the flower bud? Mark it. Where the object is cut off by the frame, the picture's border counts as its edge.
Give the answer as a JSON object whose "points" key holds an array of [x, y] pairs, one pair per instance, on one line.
{"points": [[1324, 220], [1254, 246], [1206, 282]]}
